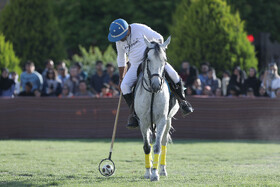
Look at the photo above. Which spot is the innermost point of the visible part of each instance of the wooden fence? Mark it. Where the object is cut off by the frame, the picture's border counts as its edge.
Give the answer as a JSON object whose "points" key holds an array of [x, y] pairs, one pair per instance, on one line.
{"points": [[214, 118]]}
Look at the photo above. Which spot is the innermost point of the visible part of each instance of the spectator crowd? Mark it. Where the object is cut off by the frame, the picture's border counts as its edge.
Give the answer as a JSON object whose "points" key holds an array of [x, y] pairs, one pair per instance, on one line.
{"points": [[57, 82], [62, 82]]}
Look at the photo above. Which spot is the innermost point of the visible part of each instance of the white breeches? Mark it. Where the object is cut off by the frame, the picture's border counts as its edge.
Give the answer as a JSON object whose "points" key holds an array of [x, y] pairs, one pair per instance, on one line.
{"points": [[131, 77]]}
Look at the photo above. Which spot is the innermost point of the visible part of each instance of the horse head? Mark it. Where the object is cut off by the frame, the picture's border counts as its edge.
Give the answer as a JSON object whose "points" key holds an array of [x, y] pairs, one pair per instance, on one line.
{"points": [[154, 62]]}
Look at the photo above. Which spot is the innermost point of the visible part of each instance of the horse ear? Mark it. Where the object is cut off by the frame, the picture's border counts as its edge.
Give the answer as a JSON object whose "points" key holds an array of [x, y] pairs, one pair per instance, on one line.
{"points": [[166, 43], [149, 45]]}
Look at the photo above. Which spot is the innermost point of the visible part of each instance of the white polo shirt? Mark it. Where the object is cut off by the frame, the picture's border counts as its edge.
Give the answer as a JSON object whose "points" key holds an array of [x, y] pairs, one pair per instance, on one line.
{"points": [[134, 46]]}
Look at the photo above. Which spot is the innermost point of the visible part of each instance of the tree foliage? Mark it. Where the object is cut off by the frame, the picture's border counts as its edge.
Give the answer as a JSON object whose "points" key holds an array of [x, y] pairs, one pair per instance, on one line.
{"points": [[33, 29], [8, 59], [88, 58], [86, 22], [260, 16], [206, 30]]}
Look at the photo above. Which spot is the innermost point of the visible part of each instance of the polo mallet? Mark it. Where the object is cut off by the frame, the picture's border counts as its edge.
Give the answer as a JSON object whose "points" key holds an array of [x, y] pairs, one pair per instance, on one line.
{"points": [[109, 161]]}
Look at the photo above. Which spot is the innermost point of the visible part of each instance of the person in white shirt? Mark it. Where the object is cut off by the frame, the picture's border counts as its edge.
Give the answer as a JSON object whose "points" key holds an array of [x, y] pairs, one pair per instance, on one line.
{"points": [[130, 44]]}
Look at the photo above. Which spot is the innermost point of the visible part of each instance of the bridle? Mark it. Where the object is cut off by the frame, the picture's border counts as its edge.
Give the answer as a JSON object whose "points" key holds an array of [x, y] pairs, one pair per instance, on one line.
{"points": [[148, 82]]}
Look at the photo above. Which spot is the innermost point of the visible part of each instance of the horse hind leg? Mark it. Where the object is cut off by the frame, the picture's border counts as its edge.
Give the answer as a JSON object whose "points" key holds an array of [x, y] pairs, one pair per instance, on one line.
{"points": [[148, 156], [157, 149], [165, 139]]}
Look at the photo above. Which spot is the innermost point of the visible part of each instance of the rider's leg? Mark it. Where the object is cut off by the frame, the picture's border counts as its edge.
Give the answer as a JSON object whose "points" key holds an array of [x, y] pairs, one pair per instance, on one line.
{"points": [[127, 83], [179, 90]]}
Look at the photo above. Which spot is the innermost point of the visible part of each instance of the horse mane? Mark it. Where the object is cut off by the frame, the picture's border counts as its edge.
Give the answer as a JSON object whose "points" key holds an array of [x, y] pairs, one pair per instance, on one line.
{"points": [[157, 52]]}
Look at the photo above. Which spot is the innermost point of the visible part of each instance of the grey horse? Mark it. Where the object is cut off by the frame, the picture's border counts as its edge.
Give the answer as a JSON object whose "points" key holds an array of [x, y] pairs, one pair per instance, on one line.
{"points": [[152, 106]]}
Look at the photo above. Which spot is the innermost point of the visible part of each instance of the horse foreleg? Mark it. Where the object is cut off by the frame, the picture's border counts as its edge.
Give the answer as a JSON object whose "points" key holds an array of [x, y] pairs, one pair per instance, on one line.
{"points": [[157, 148], [147, 151], [164, 142]]}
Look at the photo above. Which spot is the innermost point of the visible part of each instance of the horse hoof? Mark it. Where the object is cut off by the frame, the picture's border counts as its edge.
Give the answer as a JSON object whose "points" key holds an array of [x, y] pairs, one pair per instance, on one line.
{"points": [[154, 175], [148, 173], [163, 171]]}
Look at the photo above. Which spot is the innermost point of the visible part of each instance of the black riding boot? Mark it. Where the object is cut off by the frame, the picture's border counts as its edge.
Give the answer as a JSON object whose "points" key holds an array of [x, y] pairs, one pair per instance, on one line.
{"points": [[132, 118], [185, 106]]}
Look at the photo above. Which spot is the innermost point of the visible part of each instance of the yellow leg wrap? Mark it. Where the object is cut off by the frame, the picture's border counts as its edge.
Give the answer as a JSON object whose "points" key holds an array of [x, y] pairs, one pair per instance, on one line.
{"points": [[155, 162], [148, 158], [163, 155]]}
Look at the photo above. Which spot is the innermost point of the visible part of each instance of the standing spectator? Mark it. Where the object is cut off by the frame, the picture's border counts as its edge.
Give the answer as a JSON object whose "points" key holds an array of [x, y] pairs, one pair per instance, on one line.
{"points": [[105, 91], [269, 76], [99, 78], [204, 67], [114, 77], [63, 75], [83, 92], [61, 64], [236, 81], [188, 73], [197, 87], [225, 82], [7, 86], [32, 76], [27, 90], [65, 92], [212, 80], [82, 74], [252, 82], [73, 80], [14, 77], [48, 65], [262, 92], [52, 85]]}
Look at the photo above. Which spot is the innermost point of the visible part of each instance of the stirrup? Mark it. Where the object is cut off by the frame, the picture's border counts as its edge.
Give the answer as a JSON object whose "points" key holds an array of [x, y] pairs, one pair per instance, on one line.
{"points": [[186, 108]]}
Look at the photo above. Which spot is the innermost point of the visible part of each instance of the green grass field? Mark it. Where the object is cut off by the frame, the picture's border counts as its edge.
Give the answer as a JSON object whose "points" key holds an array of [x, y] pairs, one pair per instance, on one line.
{"points": [[189, 163]]}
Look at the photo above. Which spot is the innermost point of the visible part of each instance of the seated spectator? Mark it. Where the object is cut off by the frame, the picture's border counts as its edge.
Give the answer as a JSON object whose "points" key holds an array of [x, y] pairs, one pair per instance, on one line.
{"points": [[114, 77], [65, 92], [105, 91], [27, 90], [14, 77], [204, 67], [236, 81], [52, 85], [32, 76], [250, 93], [269, 76], [277, 93], [83, 92], [61, 64], [48, 66], [225, 82], [73, 80], [7, 86], [218, 92], [262, 92], [196, 87], [82, 74], [252, 82], [207, 91], [63, 75], [233, 91], [188, 73], [99, 78], [37, 93], [212, 80], [189, 91]]}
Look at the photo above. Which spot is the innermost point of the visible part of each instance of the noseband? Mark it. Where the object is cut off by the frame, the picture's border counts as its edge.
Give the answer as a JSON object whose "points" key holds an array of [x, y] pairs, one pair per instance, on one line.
{"points": [[150, 76]]}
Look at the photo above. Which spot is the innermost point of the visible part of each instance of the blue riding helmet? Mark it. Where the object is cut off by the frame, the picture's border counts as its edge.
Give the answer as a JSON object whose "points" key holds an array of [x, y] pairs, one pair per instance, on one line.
{"points": [[118, 30]]}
